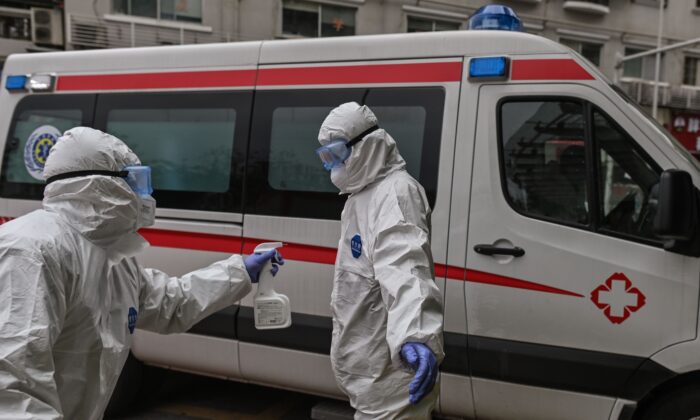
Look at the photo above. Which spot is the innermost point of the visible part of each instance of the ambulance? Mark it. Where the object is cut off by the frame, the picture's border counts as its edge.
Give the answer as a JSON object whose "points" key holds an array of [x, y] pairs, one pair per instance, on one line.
{"points": [[565, 223]]}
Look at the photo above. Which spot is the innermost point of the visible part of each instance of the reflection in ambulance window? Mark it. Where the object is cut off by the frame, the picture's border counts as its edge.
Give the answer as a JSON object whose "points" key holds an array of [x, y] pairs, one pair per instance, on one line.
{"points": [[295, 167], [628, 181], [544, 159], [293, 163], [188, 149]]}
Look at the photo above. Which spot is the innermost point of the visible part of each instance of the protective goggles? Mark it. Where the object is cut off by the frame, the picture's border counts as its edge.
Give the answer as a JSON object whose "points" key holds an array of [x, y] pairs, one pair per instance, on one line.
{"points": [[338, 151], [138, 177]]}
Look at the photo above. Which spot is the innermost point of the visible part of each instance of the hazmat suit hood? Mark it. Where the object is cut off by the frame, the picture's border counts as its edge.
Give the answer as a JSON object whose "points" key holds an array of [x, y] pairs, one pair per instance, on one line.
{"points": [[103, 209], [372, 159]]}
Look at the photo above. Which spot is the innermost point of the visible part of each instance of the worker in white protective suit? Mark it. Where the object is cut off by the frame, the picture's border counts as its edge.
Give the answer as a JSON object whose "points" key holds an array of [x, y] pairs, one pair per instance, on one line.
{"points": [[387, 309], [71, 291]]}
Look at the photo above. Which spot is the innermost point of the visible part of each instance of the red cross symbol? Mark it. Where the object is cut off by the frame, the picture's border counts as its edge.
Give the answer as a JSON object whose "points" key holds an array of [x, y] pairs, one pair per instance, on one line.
{"points": [[617, 298]]}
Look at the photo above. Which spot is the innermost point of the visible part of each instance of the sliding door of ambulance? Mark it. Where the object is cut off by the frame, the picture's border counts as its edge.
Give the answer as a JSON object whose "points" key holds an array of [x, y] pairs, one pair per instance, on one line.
{"points": [[568, 290], [195, 144], [290, 198]]}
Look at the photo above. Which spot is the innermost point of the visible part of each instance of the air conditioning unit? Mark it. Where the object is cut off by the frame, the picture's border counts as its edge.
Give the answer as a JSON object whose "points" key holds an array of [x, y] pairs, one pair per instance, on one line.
{"points": [[47, 26]]}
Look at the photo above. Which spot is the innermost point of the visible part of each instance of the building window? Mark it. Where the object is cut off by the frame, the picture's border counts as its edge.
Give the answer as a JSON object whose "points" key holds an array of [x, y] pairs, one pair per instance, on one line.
{"points": [[416, 24], [179, 10], [589, 50], [303, 18], [15, 27], [641, 68], [690, 70]]}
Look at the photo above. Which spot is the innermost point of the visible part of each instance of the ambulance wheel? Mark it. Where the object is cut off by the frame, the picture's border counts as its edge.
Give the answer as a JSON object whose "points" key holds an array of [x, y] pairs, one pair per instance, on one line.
{"points": [[677, 404]]}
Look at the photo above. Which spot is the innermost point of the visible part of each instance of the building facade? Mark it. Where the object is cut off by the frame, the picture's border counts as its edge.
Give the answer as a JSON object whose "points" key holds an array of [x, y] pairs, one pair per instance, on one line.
{"points": [[600, 30]]}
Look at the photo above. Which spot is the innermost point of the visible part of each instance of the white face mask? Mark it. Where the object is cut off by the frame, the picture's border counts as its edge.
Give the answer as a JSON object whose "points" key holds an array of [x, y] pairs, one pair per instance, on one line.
{"points": [[147, 211], [339, 177]]}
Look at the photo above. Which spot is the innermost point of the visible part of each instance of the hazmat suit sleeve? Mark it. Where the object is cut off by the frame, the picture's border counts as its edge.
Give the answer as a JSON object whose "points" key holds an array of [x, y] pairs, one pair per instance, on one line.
{"points": [[403, 267], [175, 304], [32, 310]]}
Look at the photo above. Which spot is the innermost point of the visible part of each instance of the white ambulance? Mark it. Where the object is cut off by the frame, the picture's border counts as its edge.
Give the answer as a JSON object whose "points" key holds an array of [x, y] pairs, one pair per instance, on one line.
{"points": [[563, 299]]}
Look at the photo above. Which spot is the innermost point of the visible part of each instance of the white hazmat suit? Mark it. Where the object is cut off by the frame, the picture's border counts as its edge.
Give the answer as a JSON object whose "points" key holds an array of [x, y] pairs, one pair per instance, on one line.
{"points": [[384, 293], [71, 291]]}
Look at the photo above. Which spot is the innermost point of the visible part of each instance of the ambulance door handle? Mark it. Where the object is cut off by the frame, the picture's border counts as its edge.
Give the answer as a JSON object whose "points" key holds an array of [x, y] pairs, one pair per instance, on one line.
{"points": [[486, 249]]}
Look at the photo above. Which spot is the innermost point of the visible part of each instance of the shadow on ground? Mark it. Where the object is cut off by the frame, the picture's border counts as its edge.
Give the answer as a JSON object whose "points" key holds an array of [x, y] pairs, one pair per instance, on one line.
{"points": [[181, 396]]}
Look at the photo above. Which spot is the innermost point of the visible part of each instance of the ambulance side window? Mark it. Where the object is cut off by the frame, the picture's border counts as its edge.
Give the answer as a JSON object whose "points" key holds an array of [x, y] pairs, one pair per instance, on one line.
{"points": [[285, 176], [37, 123], [544, 159], [627, 181], [546, 148], [194, 142]]}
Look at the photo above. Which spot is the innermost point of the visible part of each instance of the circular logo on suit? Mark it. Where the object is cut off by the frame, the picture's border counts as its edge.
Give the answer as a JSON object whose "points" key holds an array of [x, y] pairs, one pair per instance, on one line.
{"points": [[356, 246], [131, 319]]}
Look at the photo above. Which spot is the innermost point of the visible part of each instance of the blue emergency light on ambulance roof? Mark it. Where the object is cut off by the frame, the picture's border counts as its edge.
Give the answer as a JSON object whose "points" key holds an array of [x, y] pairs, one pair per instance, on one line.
{"points": [[491, 68], [496, 17], [16, 82]]}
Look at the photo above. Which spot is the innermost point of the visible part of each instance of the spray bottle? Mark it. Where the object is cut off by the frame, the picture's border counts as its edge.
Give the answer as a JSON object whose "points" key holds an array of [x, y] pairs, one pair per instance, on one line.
{"points": [[271, 310]]}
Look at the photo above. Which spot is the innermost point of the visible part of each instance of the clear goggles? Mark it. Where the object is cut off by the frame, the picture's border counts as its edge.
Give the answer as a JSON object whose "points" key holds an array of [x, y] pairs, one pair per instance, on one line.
{"points": [[338, 151], [138, 177]]}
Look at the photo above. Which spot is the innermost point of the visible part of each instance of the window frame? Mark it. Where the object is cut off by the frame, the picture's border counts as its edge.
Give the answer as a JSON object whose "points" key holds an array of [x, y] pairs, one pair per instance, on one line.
{"points": [[240, 100], [328, 205], [592, 108], [319, 15], [646, 62], [434, 22], [686, 59], [593, 192], [84, 102], [580, 43], [27, 23], [159, 13]]}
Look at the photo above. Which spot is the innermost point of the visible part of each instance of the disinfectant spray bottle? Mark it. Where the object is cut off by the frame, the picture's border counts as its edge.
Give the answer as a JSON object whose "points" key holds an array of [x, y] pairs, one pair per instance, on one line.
{"points": [[271, 309]]}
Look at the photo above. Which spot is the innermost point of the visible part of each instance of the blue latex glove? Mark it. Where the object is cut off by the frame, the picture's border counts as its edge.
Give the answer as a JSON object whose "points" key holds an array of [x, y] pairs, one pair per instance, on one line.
{"points": [[421, 359], [255, 262]]}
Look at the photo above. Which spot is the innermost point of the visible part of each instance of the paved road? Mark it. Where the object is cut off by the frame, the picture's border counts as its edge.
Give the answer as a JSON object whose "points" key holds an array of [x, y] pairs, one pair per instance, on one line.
{"points": [[181, 396]]}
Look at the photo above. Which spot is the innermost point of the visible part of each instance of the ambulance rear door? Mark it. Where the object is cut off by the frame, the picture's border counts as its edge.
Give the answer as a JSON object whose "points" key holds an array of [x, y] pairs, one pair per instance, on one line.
{"points": [[34, 123]]}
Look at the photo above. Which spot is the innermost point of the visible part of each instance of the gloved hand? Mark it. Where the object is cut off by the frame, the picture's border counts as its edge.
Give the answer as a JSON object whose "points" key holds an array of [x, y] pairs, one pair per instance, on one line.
{"points": [[255, 262], [421, 359]]}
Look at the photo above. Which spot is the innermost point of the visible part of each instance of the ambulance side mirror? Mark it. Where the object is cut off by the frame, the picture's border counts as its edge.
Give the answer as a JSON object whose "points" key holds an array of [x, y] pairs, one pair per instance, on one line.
{"points": [[677, 210]]}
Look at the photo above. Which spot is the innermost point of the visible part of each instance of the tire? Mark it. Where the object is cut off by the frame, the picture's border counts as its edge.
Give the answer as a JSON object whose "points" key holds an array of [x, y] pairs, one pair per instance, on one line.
{"points": [[677, 404]]}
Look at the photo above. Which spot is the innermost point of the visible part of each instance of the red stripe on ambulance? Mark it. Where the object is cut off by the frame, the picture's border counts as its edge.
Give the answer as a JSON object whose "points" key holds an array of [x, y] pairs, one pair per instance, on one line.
{"points": [[324, 255], [297, 252], [317, 254], [548, 69], [169, 80], [193, 240], [433, 72], [496, 280], [361, 74], [326, 75]]}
